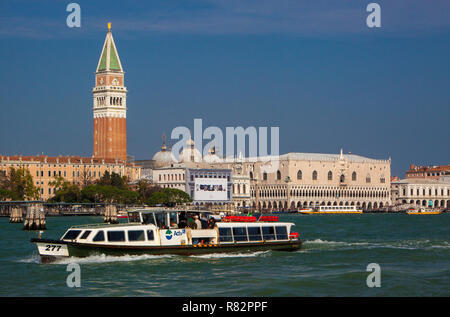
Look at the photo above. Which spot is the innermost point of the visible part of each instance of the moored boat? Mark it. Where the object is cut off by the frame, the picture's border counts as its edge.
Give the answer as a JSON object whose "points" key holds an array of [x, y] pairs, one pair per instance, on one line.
{"points": [[171, 232]]}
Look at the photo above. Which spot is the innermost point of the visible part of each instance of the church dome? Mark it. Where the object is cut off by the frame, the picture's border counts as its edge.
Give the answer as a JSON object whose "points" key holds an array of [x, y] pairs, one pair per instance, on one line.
{"points": [[190, 153], [164, 157], [212, 157]]}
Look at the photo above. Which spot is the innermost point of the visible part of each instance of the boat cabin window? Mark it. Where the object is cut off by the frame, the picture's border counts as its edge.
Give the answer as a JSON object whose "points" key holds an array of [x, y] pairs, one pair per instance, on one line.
{"points": [[268, 232], [254, 233], [225, 235], [85, 234], [116, 236], [240, 234], [148, 219], [100, 236], [71, 234], [133, 217], [136, 235], [173, 218], [150, 235], [281, 232], [161, 220]]}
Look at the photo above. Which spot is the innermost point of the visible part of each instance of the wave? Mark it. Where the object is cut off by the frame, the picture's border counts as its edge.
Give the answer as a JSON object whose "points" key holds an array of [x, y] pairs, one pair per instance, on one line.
{"points": [[319, 244], [230, 255], [102, 258], [326, 242], [32, 259]]}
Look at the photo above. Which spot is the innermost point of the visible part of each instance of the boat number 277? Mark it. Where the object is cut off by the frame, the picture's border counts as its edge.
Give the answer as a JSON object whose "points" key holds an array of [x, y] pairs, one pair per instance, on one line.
{"points": [[50, 247]]}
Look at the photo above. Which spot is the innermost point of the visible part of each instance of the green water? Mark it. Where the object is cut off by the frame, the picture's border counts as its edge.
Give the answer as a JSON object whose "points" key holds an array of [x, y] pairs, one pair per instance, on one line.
{"points": [[412, 251]]}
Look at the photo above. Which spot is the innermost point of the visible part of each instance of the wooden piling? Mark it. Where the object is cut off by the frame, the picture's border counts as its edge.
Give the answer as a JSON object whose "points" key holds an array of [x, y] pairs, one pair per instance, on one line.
{"points": [[111, 214], [35, 218], [16, 215]]}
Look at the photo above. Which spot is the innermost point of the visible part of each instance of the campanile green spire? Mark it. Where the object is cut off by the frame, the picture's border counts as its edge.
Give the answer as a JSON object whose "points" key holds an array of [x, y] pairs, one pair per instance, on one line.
{"points": [[109, 59]]}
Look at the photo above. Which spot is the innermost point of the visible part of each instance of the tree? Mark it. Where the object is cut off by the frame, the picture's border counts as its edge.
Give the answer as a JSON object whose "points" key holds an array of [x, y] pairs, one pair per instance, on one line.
{"points": [[168, 197], [19, 185], [158, 198], [65, 191], [113, 179], [177, 196], [145, 189]]}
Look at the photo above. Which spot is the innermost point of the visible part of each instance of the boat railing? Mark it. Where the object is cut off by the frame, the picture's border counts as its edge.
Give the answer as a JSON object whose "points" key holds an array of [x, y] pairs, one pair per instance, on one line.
{"points": [[102, 225]]}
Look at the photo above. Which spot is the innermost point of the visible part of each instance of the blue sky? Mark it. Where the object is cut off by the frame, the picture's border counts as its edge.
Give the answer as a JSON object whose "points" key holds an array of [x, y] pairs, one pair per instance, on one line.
{"points": [[313, 68]]}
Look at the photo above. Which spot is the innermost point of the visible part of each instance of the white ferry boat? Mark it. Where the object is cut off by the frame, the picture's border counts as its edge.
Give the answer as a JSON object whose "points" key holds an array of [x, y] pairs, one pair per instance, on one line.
{"points": [[424, 211], [333, 210], [171, 232]]}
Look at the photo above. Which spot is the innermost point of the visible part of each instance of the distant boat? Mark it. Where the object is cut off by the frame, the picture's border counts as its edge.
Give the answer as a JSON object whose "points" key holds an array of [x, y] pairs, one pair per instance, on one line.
{"points": [[424, 211], [332, 210]]}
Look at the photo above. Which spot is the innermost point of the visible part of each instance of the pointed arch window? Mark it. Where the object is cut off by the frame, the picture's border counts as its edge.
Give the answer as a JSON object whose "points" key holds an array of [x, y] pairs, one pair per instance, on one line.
{"points": [[278, 175], [265, 176], [330, 176], [299, 174], [314, 175], [354, 176]]}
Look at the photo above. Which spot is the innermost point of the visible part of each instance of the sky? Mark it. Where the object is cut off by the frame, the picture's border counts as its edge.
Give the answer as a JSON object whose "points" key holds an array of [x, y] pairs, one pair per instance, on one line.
{"points": [[310, 67]]}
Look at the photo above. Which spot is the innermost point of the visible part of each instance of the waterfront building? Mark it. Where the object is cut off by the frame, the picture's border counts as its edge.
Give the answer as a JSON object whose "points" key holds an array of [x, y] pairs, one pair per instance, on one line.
{"points": [[428, 172], [110, 104], [241, 187], [421, 192], [170, 177], [303, 180], [209, 186], [75, 169], [313, 179]]}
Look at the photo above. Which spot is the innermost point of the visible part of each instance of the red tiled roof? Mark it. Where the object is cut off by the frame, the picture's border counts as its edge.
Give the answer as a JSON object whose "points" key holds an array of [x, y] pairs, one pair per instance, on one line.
{"points": [[440, 168], [62, 159]]}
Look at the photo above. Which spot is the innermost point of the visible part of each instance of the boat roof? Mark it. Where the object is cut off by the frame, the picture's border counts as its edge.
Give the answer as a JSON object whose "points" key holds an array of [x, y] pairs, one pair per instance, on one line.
{"points": [[171, 210]]}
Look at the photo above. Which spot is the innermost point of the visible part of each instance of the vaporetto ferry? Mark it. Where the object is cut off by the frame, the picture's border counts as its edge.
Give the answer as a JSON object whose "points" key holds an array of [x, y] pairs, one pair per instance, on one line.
{"points": [[424, 211], [171, 232], [332, 210]]}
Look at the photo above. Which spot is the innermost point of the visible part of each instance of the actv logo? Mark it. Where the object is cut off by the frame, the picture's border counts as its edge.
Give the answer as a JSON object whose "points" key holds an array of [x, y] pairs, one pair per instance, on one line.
{"points": [[170, 234]]}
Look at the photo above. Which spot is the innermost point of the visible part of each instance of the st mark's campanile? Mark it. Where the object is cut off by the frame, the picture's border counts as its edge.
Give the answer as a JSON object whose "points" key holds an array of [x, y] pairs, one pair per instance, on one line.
{"points": [[110, 104]]}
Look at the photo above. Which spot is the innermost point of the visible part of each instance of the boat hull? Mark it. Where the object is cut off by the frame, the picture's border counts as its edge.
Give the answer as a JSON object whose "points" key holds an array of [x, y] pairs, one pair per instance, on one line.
{"points": [[329, 212], [85, 250], [424, 213]]}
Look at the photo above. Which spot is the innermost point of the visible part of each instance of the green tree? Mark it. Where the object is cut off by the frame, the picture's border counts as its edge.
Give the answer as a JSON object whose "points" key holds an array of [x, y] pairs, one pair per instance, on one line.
{"points": [[168, 197], [113, 179], [19, 185], [158, 198], [145, 190]]}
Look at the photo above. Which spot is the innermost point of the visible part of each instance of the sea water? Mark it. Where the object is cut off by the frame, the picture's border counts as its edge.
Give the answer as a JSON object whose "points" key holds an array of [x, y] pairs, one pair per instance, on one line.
{"points": [[412, 252]]}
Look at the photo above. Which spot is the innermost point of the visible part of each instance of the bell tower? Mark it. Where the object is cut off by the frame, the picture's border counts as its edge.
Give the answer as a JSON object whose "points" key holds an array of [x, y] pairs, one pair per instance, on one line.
{"points": [[110, 104]]}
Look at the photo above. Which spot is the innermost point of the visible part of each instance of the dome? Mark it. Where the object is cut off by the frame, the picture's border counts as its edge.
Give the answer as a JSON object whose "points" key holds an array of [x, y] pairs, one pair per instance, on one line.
{"points": [[164, 157], [190, 153], [211, 157]]}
